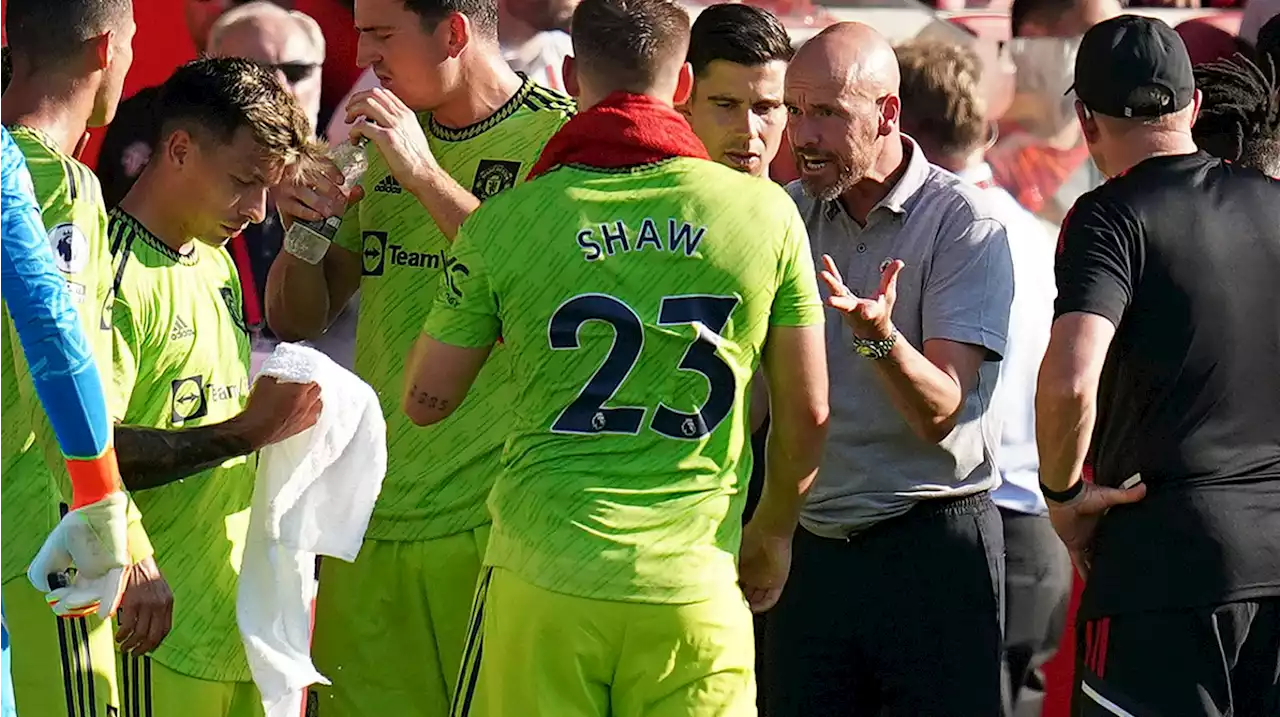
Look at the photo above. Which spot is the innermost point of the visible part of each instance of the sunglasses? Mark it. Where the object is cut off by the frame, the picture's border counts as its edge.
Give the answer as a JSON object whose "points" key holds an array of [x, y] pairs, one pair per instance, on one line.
{"points": [[294, 72]]}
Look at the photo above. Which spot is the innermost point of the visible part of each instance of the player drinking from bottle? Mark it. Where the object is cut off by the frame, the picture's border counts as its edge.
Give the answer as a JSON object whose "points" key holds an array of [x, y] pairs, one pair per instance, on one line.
{"points": [[451, 126], [636, 286]]}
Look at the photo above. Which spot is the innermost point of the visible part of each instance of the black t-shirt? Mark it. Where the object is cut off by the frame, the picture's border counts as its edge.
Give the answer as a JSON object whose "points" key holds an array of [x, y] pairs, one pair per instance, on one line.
{"points": [[1182, 255]]}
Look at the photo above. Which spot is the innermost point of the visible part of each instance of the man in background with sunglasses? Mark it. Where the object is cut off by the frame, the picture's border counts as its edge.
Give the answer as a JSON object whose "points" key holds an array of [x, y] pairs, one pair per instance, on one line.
{"points": [[290, 42]]}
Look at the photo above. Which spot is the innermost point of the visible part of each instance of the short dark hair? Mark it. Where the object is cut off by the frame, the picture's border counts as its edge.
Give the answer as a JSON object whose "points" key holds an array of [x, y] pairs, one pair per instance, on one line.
{"points": [[46, 33], [483, 14], [630, 42], [214, 97], [1240, 114], [941, 93], [737, 33], [1048, 11]]}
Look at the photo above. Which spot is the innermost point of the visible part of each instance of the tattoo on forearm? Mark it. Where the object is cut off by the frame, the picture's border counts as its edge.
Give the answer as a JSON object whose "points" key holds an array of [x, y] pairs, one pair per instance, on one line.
{"points": [[152, 457], [436, 403]]}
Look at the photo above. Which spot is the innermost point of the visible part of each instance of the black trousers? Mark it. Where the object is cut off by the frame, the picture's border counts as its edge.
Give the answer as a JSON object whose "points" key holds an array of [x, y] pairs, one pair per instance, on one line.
{"points": [[903, 620], [1037, 590], [1216, 661]]}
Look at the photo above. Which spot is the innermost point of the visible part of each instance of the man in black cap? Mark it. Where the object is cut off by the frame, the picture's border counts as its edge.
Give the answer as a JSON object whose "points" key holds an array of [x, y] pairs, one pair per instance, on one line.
{"points": [[1162, 371]]}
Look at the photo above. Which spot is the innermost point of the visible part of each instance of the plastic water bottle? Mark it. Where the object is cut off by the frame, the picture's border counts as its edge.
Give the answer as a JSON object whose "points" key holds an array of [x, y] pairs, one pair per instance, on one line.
{"points": [[310, 240]]}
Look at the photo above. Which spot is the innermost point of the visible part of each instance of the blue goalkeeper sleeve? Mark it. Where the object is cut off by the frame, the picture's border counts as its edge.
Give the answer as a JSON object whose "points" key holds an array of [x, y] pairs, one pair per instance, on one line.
{"points": [[56, 349]]}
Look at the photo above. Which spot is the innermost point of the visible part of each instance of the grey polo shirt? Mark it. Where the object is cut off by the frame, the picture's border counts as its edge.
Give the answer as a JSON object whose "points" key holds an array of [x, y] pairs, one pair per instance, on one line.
{"points": [[957, 285]]}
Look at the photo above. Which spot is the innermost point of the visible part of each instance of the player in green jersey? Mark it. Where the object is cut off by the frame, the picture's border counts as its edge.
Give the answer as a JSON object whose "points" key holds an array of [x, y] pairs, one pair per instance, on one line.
{"points": [[739, 55], [70, 58], [451, 126], [69, 61], [230, 131], [636, 286]]}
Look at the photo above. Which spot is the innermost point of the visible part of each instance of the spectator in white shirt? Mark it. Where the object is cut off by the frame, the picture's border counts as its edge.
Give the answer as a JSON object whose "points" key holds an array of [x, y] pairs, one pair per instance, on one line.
{"points": [[946, 113]]}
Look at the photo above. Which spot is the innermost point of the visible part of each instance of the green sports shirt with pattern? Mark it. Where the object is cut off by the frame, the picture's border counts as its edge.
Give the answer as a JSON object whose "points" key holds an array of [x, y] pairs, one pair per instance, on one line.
{"points": [[437, 478], [634, 305], [182, 360], [34, 472]]}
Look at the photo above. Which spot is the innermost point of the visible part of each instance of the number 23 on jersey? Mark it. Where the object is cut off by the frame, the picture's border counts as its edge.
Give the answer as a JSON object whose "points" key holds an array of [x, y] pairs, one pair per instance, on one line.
{"points": [[587, 414]]}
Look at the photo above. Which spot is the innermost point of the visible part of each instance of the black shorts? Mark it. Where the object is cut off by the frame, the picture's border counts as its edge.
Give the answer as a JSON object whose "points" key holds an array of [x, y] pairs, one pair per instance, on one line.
{"points": [[1218, 661]]}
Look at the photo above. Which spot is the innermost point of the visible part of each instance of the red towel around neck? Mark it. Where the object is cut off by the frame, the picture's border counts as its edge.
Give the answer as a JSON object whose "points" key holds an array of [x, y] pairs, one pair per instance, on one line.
{"points": [[625, 130]]}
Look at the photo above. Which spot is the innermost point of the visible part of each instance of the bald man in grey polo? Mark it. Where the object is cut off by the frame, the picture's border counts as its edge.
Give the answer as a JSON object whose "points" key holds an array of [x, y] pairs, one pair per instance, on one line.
{"points": [[895, 597], [957, 285]]}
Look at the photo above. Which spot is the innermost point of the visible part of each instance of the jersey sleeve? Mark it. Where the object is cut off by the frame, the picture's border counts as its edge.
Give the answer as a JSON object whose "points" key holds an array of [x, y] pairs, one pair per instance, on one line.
{"points": [[126, 351], [797, 302], [1098, 261], [465, 312], [968, 294], [57, 351]]}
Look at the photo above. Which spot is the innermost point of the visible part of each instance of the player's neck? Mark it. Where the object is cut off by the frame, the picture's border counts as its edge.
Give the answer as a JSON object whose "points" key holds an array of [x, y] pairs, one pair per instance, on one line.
{"points": [[485, 85], [157, 210], [60, 108]]}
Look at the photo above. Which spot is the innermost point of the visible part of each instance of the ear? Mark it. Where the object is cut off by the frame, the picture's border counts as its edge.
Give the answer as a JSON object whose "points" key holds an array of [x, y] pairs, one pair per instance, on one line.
{"points": [[569, 70], [1197, 101], [459, 30], [179, 148], [102, 51], [1088, 125], [890, 114], [684, 85]]}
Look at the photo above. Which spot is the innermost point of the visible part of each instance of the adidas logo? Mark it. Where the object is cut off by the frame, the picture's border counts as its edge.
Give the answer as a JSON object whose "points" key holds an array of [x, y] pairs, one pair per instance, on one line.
{"points": [[388, 185], [181, 330]]}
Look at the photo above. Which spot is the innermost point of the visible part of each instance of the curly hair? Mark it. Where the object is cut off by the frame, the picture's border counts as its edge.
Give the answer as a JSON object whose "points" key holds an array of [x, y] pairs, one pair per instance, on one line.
{"points": [[216, 96], [1240, 116], [942, 99]]}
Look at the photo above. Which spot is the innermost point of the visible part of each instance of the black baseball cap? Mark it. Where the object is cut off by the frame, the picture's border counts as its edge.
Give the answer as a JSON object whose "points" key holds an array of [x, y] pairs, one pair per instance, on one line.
{"points": [[1120, 56]]}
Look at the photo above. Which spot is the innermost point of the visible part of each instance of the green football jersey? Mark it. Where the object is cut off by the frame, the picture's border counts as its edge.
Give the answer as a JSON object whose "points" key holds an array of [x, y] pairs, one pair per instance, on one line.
{"points": [[182, 360], [634, 305], [437, 478], [35, 477]]}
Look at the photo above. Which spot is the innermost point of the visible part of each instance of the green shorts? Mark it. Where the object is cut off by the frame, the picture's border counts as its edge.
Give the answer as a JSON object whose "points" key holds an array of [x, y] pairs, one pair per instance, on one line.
{"points": [[537, 653], [70, 667], [390, 627], [60, 666], [149, 689]]}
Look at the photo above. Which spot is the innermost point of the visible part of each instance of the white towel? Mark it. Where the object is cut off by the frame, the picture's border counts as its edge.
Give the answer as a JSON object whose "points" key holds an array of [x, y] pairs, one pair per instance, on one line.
{"points": [[313, 496]]}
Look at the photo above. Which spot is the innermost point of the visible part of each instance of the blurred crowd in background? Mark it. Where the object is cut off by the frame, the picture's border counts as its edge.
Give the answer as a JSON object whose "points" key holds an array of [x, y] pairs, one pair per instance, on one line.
{"points": [[983, 80]]}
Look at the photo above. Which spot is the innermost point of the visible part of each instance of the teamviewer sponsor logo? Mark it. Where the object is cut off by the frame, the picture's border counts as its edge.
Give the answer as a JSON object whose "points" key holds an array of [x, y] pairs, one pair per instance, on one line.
{"points": [[373, 253], [189, 401]]}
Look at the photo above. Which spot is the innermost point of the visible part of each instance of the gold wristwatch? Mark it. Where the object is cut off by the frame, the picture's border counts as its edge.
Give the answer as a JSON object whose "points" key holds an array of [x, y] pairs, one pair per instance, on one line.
{"points": [[875, 349]]}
